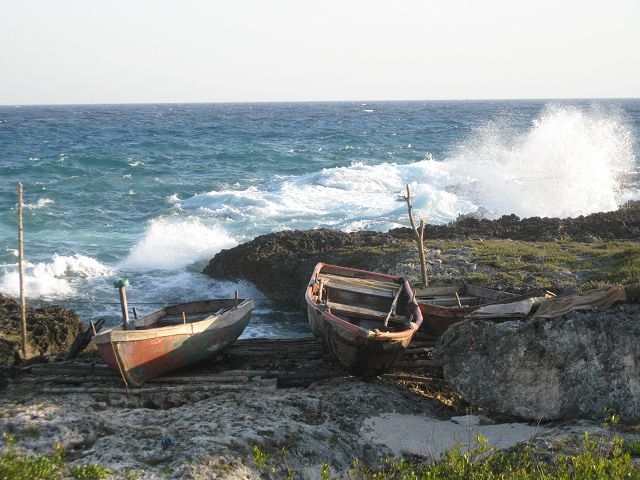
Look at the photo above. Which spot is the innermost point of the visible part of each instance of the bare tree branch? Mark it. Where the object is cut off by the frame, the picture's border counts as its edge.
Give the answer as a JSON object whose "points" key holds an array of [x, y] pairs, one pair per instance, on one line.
{"points": [[419, 232]]}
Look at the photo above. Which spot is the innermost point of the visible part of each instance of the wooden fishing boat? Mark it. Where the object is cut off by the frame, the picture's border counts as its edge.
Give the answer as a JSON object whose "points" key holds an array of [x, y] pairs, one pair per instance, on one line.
{"points": [[176, 336], [442, 306], [366, 319]]}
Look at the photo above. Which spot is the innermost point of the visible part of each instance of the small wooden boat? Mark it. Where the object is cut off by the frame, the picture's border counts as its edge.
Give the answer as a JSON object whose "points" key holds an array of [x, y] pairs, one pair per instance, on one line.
{"points": [[176, 336], [442, 306], [366, 319]]}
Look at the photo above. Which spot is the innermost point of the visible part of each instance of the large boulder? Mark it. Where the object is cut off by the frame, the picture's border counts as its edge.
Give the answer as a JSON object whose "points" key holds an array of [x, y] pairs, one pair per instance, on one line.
{"points": [[50, 330], [583, 364]]}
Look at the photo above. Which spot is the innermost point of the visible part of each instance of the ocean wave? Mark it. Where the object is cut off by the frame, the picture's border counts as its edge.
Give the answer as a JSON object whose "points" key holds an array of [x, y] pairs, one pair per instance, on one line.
{"points": [[55, 279], [571, 162], [173, 243]]}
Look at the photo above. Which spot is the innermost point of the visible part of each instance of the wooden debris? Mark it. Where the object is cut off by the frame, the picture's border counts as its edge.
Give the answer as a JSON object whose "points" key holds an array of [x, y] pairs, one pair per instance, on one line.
{"points": [[83, 339], [246, 364], [159, 389]]}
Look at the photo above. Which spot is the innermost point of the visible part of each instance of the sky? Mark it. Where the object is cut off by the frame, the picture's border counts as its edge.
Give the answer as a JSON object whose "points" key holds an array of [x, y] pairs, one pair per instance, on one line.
{"points": [[184, 51]]}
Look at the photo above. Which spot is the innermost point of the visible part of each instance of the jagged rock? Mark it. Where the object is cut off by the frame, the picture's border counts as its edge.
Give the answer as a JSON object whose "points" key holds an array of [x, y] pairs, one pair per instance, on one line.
{"points": [[621, 224], [577, 365], [50, 330]]}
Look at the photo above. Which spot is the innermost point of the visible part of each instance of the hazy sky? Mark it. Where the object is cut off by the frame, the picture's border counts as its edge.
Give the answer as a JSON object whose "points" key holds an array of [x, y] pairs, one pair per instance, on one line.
{"points": [[123, 51]]}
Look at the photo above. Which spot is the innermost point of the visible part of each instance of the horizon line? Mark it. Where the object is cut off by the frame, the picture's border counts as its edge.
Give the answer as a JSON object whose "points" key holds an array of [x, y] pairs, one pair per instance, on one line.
{"points": [[256, 102]]}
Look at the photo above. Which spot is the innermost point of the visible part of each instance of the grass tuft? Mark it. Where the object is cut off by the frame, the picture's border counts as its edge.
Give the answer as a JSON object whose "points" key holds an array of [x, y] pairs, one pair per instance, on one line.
{"points": [[597, 461], [16, 466]]}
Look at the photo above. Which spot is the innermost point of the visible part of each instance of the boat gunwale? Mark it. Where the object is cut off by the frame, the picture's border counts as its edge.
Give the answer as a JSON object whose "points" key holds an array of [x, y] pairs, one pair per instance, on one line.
{"points": [[359, 331], [229, 317]]}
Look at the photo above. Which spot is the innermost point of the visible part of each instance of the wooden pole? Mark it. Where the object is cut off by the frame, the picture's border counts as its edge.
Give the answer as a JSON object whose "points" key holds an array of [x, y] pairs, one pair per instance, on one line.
{"points": [[392, 310], [320, 291], [23, 300], [120, 285]]}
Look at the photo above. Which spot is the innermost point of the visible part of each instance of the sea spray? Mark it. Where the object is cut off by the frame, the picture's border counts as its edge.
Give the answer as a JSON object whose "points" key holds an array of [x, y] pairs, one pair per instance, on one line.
{"points": [[570, 162], [53, 280], [171, 244], [567, 162]]}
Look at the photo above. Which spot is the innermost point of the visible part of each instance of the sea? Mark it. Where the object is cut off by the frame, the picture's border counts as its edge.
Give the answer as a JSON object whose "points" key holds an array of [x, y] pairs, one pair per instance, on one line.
{"points": [[150, 193]]}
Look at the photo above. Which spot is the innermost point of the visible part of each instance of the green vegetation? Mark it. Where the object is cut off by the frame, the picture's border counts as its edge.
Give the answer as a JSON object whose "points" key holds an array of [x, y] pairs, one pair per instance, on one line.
{"points": [[16, 466], [538, 264], [633, 449], [260, 458], [519, 264], [275, 464], [599, 459], [90, 471]]}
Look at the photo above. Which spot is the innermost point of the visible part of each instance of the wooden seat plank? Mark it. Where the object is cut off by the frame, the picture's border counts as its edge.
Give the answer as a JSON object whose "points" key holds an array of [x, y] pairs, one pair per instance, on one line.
{"points": [[363, 312], [358, 285]]}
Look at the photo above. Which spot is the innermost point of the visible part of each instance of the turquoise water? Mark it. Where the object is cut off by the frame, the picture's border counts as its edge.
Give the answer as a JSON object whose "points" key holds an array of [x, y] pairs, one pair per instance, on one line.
{"points": [[152, 192]]}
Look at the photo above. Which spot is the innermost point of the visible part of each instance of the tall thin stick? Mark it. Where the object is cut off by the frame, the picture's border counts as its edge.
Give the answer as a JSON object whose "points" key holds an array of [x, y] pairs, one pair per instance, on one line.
{"points": [[392, 310], [23, 300], [419, 237]]}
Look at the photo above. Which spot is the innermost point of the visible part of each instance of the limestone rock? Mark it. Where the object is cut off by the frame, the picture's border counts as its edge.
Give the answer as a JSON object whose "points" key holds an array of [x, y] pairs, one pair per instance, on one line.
{"points": [[577, 365]]}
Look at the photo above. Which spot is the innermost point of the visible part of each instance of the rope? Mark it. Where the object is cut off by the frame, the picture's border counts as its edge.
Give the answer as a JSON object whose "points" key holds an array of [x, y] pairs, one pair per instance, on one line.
{"points": [[115, 355]]}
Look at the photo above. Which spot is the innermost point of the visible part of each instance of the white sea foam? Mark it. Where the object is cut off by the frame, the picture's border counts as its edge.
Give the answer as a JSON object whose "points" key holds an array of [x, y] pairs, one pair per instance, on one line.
{"points": [[173, 243], [173, 199], [570, 162], [358, 197], [41, 203], [54, 279], [331, 197]]}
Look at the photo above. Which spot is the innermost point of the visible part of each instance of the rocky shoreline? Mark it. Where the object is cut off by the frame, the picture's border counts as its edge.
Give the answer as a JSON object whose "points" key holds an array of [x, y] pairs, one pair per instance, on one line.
{"points": [[332, 421], [279, 263]]}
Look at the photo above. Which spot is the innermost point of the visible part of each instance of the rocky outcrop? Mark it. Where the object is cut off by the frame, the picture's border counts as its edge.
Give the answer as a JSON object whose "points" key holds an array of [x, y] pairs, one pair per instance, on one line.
{"points": [[621, 224], [50, 330], [280, 264], [577, 365]]}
